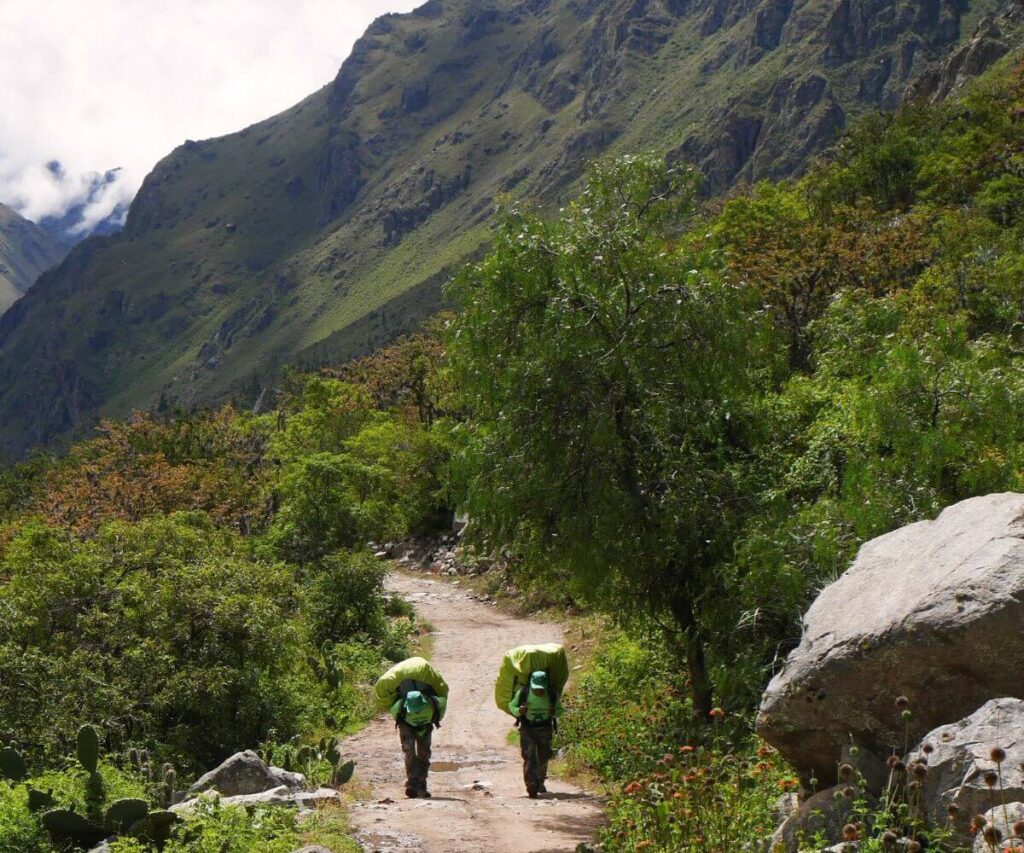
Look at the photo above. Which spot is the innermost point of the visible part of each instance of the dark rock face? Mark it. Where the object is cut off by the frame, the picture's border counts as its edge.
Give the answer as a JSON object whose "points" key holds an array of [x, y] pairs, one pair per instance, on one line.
{"points": [[990, 43], [769, 23], [858, 27]]}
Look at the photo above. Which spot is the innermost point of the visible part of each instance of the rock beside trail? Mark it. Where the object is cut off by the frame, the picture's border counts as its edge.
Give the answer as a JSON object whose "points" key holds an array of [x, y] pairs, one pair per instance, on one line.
{"points": [[245, 773], [933, 611], [1003, 819], [824, 813], [280, 796], [960, 756]]}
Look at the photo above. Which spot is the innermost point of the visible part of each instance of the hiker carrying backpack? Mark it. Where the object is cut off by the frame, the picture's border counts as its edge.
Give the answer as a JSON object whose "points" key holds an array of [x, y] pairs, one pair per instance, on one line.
{"points": [[417, 697], [529, 687]]}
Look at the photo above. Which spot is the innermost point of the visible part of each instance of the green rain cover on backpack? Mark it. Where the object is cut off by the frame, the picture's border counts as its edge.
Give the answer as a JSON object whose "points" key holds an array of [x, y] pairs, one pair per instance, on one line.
{"points": [[517, 665], [417, 669]]}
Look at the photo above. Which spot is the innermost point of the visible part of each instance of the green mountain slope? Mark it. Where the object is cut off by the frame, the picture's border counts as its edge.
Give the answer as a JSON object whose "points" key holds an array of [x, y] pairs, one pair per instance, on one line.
{"points": [[26, 250], [328, 229]]}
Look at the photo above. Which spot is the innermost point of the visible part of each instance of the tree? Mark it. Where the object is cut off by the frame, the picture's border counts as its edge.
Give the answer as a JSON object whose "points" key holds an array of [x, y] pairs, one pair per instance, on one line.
{"points": [[608, 379]]}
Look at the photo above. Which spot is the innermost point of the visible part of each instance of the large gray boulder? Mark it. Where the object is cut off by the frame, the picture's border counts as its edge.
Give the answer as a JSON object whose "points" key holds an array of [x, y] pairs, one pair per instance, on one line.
{"points": [[933, 612], [960, 754], [246, 773]]}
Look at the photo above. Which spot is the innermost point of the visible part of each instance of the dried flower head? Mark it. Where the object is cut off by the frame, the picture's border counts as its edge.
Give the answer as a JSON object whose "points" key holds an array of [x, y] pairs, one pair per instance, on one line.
{"points": [[992, 834], [892, 760], [850, 832], [977, 822], [1018, 829], [849, 792], [991, 778], [920, 771], [997, 754], [889, 839], [927, 749], [913, 846], [953, 810], [845, 771], [902, 702]]}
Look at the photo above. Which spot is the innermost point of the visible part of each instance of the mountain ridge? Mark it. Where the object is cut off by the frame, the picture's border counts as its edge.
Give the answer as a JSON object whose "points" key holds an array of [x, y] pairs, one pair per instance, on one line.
{"points": [[26, 251], [328, 229]]}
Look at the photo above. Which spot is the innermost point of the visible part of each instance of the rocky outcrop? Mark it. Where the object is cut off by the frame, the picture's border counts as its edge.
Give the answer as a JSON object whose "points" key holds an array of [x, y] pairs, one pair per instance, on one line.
{"points": [[245, 773], [959, 756], [990, 43], [933, 612]]}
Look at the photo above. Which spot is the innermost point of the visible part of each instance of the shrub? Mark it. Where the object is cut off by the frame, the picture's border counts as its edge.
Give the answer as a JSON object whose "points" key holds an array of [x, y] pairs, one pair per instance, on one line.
{"points": [[165, 631]]}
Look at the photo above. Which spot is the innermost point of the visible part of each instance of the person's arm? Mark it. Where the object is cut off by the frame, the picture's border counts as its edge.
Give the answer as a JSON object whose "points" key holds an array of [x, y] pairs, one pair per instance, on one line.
{"points": [[514, 708], [559, 708], [396, 709], [442, 706]]}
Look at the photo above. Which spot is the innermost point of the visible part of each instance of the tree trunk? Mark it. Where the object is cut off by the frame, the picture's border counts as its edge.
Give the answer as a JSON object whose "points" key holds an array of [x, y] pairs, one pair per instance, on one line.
{"points": [[701, 691]]}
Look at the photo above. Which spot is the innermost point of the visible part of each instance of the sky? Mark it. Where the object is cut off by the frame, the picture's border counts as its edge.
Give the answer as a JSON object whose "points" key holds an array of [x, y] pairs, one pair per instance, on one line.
{"points": [[117, 84]]}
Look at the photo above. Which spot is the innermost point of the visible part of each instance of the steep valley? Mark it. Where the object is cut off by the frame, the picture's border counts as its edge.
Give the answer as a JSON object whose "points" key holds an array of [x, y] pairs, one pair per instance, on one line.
{"points": [[329, 229]]}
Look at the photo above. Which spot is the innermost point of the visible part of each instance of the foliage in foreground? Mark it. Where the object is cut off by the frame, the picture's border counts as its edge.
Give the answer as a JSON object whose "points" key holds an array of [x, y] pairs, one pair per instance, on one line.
{"points": [[196, 585]]}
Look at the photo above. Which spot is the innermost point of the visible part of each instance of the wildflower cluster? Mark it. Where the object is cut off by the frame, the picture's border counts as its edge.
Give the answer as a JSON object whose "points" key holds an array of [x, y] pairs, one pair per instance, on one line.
{"points": [[700, 799]]}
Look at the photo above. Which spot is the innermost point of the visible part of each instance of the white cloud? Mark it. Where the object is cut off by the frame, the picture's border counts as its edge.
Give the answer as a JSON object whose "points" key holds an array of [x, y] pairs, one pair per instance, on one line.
{"points": [[102, 84]]}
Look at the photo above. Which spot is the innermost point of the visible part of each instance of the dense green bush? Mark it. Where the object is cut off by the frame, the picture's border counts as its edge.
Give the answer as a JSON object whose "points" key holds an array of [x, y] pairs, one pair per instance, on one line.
{"points": [[166, 631], [20, 831]]}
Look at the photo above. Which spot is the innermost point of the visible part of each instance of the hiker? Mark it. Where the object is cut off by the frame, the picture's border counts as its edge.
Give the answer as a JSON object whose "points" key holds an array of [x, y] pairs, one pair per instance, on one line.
{"points": [[417, 696], [416, 717], [529, 687], [536, 709]]}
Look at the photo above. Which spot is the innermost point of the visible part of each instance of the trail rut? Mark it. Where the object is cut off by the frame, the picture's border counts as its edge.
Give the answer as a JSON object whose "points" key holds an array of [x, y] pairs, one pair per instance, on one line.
{"points": [[479, 803]]}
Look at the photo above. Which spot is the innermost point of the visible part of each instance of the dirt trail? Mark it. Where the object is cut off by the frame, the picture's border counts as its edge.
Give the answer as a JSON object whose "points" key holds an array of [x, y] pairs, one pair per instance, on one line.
{"points": [[479, 803]]}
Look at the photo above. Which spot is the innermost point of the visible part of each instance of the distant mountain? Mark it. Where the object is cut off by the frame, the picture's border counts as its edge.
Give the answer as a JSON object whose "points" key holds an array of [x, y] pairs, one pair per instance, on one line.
{"points": [[26, 251], [328, 229], [75, 224]]}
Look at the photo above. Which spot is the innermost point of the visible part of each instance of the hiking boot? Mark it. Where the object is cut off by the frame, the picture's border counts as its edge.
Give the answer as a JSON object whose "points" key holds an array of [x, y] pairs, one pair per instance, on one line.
{"points": [[411, 793], [543, 789], [531, 793], [425, 794]]}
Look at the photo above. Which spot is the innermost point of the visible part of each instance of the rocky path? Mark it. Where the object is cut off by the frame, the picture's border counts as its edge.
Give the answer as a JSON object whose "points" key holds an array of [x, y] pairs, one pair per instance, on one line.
{"points": [[479, 803]]}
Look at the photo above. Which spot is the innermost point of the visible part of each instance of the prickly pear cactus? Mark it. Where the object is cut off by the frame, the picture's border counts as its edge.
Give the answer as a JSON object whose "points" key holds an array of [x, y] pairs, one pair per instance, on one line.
{"points": [[88, 748], [66, 827], [156, 827], [343, 773], [12, 765], [39, 801], [123, 814]]}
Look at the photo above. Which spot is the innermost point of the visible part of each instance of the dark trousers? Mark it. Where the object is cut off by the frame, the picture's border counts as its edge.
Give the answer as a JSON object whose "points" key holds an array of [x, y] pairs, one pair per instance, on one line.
{"points": [[535, 746], [417, 757]]}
